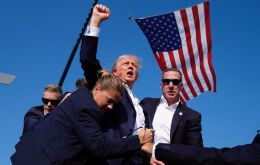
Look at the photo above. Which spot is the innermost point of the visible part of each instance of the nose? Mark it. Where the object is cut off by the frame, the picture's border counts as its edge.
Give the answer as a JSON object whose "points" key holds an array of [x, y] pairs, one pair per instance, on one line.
{"points": [[131, 65], [170, 84], [110, 106], [49, 103]]}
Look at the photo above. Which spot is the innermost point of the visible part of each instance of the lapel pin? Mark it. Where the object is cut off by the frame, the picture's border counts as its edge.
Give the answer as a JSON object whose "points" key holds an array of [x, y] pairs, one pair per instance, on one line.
{"points": [[180, 113]]}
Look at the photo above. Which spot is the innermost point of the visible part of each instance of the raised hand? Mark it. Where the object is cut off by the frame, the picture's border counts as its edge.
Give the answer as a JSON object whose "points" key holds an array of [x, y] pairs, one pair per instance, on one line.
{"points": [[99, 14]]}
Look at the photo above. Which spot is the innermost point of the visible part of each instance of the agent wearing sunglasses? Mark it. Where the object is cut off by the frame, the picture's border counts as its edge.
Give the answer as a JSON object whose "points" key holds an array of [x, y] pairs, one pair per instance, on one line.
{"points": [[51, 98], [172, 121]]}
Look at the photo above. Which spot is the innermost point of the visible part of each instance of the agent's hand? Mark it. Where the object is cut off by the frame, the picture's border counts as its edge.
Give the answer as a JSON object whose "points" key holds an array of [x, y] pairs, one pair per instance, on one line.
{"points": [[99, 14], [154, 161], [145, 135], [147, 148]]}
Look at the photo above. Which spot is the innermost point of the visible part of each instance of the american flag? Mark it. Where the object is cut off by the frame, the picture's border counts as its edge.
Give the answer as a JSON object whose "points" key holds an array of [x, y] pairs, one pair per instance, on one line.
{"points": [[182, 40]]}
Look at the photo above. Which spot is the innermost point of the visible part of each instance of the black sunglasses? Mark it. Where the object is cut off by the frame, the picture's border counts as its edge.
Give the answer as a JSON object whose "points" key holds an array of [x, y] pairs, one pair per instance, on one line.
{"points": [[174, 81], [53, 102]]}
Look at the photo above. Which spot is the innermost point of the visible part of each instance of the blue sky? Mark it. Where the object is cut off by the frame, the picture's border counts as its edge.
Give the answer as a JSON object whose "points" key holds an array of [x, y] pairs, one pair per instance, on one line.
{"points": [[36, 39]]}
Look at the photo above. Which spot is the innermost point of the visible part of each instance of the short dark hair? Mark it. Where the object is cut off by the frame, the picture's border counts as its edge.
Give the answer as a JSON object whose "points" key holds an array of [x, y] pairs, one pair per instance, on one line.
{"points": [[172, 69], [81, 82]]}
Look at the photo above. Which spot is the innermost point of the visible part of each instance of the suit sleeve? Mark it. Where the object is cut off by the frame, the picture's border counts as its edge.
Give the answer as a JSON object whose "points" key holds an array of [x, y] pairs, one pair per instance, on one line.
{"points": [[95, 142], [193, 135], [192, 155], [88, 60], [30, 119]]}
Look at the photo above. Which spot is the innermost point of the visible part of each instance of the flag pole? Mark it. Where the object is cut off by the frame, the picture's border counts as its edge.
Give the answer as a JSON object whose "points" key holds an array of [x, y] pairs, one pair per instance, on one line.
{"points": [[74, 50]]}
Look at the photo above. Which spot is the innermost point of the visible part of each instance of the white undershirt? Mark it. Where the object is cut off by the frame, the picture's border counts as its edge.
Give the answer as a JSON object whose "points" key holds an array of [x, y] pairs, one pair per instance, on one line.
{"points": [[140, 119], [162, 122]]}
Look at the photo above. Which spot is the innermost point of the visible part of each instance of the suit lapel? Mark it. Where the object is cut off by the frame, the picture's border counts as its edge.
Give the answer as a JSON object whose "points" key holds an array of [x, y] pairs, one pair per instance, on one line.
{"points": [[128, 111], [154, 107], [176, 118]]}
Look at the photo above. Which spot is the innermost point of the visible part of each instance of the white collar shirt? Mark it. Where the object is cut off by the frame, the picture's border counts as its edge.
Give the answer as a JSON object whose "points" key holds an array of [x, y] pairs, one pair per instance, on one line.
{"points": [[140, 119], [162, 121]]}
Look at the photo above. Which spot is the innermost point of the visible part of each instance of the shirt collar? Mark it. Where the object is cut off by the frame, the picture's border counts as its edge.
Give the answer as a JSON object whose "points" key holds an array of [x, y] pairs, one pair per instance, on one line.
{"points": [[164, 102]]}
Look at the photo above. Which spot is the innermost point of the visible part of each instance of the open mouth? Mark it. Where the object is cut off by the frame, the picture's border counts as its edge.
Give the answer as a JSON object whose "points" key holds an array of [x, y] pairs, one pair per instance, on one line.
{"points": [[130, 73]]}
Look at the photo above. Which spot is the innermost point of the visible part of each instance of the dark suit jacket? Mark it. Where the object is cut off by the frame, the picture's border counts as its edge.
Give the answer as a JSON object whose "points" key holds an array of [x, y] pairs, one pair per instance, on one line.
{"points": [[186, 123], [248, 154], [71, 134], [32, 117], [120, 121]]}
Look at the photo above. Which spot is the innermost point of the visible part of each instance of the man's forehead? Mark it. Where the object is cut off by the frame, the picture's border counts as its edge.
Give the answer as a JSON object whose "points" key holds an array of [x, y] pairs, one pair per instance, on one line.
{"points": [[48, 93], [171, 73]]}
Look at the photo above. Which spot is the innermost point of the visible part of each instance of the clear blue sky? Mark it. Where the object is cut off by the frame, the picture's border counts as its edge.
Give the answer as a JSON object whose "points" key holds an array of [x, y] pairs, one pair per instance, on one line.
{"points": [[36, 39]]}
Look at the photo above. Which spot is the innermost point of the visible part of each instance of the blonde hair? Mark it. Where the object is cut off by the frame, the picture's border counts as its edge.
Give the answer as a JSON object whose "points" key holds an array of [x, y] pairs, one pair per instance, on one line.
{"points": [[106, 80], [53, 88]]}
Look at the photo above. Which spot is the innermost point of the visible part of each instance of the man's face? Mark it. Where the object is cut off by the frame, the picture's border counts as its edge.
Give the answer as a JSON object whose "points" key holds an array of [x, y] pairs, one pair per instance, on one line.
{"points": [[50, 100], [171, 86], [105, 99], [127, 70]]}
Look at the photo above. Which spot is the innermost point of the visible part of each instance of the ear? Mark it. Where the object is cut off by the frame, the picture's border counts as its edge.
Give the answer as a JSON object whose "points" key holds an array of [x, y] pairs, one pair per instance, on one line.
{"points": [[96, 88], [114, 71], [161, 85]]}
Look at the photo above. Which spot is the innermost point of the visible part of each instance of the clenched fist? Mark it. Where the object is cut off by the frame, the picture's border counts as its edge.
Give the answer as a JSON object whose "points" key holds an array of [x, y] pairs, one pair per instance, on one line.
{"points": [[99, 14]]}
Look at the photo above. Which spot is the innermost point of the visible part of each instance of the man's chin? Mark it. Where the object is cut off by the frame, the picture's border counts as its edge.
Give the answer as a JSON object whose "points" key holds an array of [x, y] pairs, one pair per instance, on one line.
{"points": [[129, 80], [104, 110]]}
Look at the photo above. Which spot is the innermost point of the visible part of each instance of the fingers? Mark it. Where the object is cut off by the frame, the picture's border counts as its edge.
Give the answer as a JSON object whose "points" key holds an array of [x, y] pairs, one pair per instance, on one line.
{"points": [[99, 14], [102, 8], [145, 135]]}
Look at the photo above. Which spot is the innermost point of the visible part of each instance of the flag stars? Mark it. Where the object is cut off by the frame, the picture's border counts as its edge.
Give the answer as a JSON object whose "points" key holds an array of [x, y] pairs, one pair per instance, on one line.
{"points": [[162, 29]]}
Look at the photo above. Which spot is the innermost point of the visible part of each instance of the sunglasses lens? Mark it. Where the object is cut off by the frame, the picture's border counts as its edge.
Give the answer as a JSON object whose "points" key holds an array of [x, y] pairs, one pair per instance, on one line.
{"points": [[44, 101], [53, 102], [165, 81], [174, 81]]}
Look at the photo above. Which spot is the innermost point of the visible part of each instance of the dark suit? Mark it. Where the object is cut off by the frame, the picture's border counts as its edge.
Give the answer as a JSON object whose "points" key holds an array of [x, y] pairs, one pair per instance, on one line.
{"points": [[120, 121], [186, 123], [32, 117], [248, 154], [71, 134]]}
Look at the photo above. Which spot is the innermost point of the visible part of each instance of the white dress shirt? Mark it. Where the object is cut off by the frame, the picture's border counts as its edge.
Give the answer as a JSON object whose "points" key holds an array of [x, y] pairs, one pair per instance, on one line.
{"points": [[162, 122], [92, 31], [140, 119]]}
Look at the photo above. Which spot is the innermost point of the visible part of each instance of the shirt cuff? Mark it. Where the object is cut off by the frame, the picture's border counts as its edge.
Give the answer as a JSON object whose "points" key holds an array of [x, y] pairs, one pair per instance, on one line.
{"points": [[92, 31]]}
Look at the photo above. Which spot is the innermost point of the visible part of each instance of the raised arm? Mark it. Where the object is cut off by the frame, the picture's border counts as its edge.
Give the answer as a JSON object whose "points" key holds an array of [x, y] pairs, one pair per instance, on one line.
{"points": [[89, 63]]}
